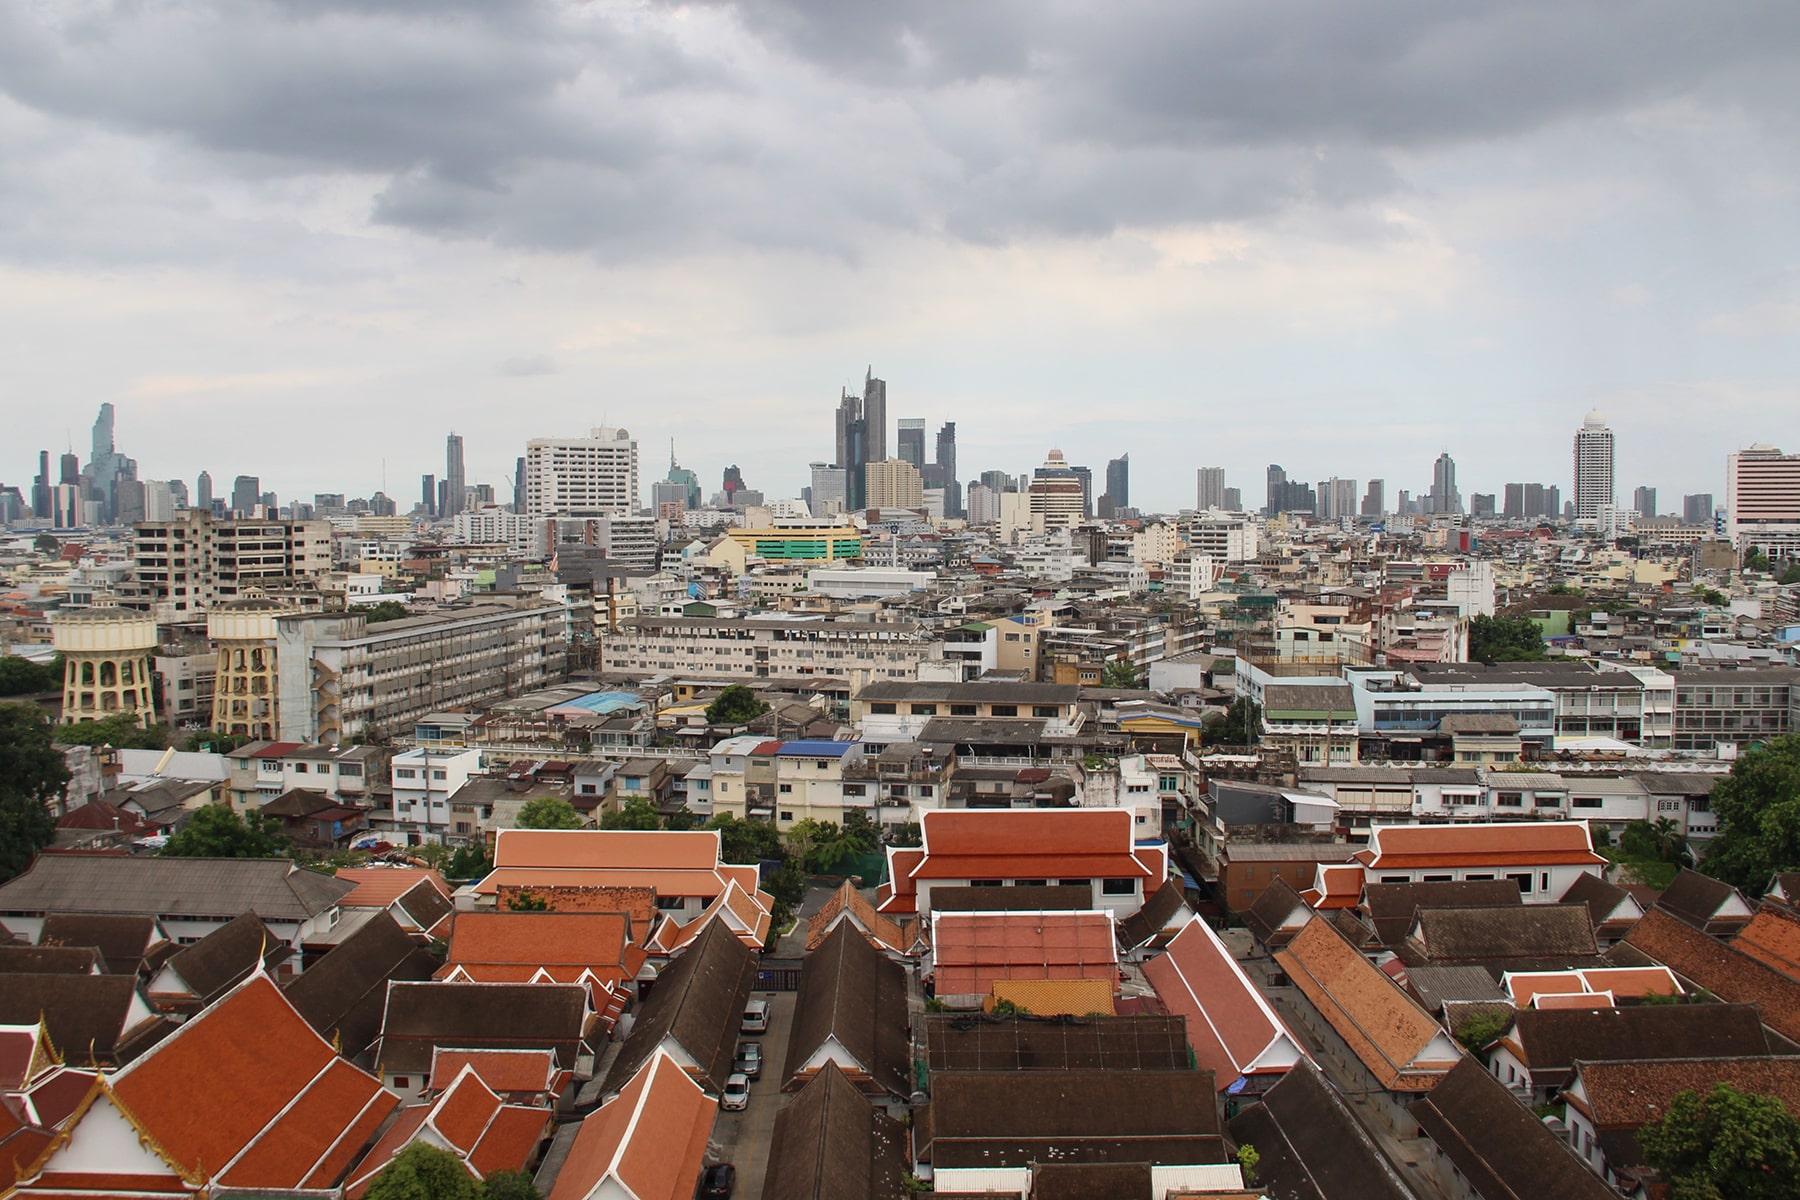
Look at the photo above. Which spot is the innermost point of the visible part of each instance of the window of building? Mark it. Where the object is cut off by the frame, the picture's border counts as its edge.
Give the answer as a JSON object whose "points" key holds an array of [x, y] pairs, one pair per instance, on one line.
{"points": [[965, 710], [1396, 879], [350, 771], [405, 773], [1003, 710], [924, 710], [402, 1081], [1031, 882], [787, 814], [886, 710], [1523, 879], [1044, 710], [1440, 879], [986, 882], [665, 903], [1587, 802], [1118, 887], [1076, 882], [855, 789], [299, 768], [786, 788], [439, 775], [1509, 799]]}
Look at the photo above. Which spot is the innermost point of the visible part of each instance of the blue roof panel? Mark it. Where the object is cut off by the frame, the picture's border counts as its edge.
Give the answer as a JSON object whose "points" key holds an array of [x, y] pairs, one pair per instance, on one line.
{"points": [[815, 749]]}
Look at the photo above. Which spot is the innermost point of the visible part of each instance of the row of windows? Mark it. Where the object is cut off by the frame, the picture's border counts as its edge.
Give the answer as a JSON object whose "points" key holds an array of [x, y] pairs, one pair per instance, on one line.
{"points": [[886, 709]]}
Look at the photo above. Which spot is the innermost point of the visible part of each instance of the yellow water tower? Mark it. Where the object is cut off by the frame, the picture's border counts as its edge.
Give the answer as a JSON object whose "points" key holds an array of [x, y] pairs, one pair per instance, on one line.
{"points": [[107, 654]]}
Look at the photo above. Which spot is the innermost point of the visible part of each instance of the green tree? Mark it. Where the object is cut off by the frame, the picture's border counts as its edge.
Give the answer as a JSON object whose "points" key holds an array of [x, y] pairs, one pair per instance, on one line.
{"points": [[861, 835], [1505, 639], [22, 677], [747, 841], [46, 544], [1240, 726], [469, 862], [509, 1185], [216, 831], [423, 1172], [636, 813], [1120, 674], [1562, 589], [1482, 1028], [910, 835], [1756, 560], [1792, 574], [681, 820], [549, 812], [32, 776], [526, 902], [734, 706], [214, 742], [1725, 1145], [1248, 1159], [1758, 806], [384, 610], [121, 730]]}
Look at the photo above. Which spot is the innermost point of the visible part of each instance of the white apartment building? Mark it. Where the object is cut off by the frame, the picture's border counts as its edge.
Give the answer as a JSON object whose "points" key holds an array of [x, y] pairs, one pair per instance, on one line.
{"points": [[258, 772], [838, 653], [1224, 537], [594, 476], [1762, 499], [493, 526], [861, 583], [184, 565], [340, 678], [627, 541], [424, 780]]}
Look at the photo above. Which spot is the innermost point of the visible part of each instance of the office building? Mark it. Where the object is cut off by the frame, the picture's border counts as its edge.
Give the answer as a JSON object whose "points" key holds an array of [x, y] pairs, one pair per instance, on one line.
{"points": [[984, 504], [428, 495], [1375, 499], [1223, 537], [595, 476], [911, 445], [1337, 498], [518, 494], [1000, 481], [1697, 509], [40, 487], [1481, 504], [874, 411], [828, 492], [1762, 500], [894, 483], [203, 491], [71, 470], [1443, 497], [246, 494], [106, 466], [1643, 501], [1593, 467], [1234, 499], [1118, 481], [455, 482], [1057, 493]]}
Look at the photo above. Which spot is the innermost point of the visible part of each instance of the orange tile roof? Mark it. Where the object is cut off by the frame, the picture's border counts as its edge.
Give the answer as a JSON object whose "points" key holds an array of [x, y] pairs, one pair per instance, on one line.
{"points": [[972, 950], [1393, 1037], [848, 904], [748, 919], [1335, 886], [1578, 1000], [505, 1071], [1056, 997], [615, 849], [1231, 1027], [1772, 937], [1063, 843], [1635, 982], [1526, 986], [650, 1138], [273, 1093], [471, 1121], [378, 887], [1534, 843], [542, 939], [1729, 974]]}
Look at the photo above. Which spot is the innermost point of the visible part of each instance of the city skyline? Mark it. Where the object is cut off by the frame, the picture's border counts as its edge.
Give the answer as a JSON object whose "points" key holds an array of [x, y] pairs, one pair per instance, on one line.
{"points": [[1203, 237]]}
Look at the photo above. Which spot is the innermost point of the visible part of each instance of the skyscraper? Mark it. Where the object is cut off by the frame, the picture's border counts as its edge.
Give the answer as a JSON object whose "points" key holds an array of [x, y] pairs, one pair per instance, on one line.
{"points": [[106, 466], [1697, 509], [1234, 499], [1643, 501], [875, 416], [1277, 490], [71, 469], [1375, 499], [246, 493], [827, 494], [1593, 467], [686, 479], [1444, 497], [1057, 494], [203, 492], [1762, 500], [946, 461], [1211, 492], [454, 482], [1118, 481], [852, 448], [895, 483], [428, 496], [518, 496], [40, 487], [912, 441]]}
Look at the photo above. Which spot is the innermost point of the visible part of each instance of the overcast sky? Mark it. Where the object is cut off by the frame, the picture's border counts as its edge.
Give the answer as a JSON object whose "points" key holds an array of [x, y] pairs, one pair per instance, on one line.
{"points": [[306, 239]]}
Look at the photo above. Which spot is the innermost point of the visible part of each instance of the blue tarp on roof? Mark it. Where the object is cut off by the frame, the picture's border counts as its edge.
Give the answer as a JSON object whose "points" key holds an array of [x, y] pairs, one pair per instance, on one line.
{"points": [[814, 749], [603, 703]]}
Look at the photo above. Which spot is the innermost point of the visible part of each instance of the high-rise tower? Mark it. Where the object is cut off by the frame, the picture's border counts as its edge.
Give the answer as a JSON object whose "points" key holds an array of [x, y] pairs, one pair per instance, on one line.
{"points": [[1444, 497], [1211, 490], [911, 445], [875, 415], [454, 481], [1593, 467], [946, 461], [1118, 481]]}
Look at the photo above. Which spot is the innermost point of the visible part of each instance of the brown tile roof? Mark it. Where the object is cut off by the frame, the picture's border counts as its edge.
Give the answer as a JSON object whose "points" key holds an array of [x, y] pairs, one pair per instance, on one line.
{"points": [[1392, 907], [378, 887], [597, 941], [1729, 974], [1091, 1181], [650, 1138], [92, 1020], [1700, 900], [420, 1017], [1632, 1093], [1550, 1040], [1394, 1038], [1277, 914], [852, 995], [1500, 937], [50, 960], [698, 1001], [1772, 937], [1501, 1148], [962, 1042], [830, 1143], [1162, 911], [342, 994], [129, 943], [1608, 904], [219, 961], [1310, 1147], [1013, 1118]]}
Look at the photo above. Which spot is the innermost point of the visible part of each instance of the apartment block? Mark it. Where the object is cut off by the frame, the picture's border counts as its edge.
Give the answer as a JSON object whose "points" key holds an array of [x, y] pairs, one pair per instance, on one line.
{"points": [[849, 654], [187, 564]]}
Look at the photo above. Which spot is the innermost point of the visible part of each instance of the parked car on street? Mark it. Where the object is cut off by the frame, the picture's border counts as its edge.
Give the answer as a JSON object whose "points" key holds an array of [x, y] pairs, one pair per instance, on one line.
{"points": [[737, 1093]]}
